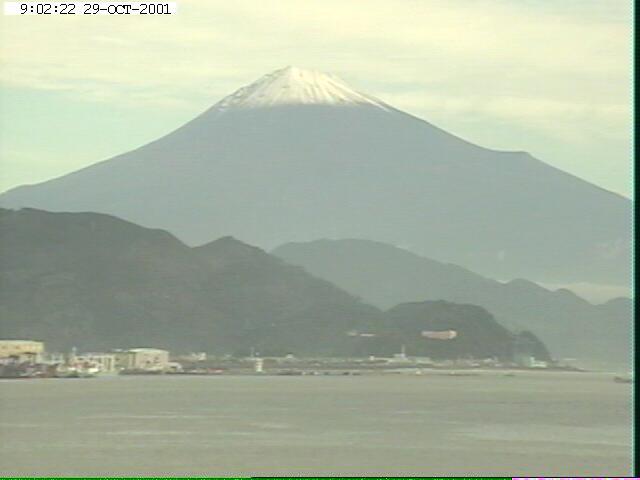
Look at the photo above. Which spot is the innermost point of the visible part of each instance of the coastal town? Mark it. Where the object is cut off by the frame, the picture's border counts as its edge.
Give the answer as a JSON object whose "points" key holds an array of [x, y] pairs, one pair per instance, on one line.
{"points": [[29, 359]]}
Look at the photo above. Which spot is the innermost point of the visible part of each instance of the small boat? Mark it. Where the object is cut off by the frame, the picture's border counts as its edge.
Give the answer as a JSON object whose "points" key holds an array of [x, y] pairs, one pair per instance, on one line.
{"points": [[76, 371]]}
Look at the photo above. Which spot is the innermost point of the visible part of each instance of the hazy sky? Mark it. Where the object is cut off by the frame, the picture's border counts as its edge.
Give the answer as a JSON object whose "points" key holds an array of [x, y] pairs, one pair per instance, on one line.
{"points": [[549, 77]]}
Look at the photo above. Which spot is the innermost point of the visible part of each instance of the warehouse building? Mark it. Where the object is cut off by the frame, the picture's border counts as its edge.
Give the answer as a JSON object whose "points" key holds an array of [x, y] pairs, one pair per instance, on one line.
{"points": [[21, 350], [151, 359]]}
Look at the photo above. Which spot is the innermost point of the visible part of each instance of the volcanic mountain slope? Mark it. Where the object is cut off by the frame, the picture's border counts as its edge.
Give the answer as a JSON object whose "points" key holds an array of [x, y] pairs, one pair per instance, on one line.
{"points": [[97, 282], [299, 155], [384, 276]]}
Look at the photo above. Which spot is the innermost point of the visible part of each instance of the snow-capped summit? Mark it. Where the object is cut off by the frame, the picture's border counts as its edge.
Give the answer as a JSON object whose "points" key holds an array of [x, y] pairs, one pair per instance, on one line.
{"points": [[296, 86]]}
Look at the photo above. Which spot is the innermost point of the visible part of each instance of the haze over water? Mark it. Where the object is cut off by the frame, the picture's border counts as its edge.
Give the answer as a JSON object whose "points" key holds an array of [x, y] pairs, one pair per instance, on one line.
{"points": [[530, 424]]}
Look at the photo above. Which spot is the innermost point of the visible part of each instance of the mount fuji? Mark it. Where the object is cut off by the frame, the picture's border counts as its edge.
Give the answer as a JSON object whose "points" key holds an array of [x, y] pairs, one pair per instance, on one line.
{"points": [[299, 155]]}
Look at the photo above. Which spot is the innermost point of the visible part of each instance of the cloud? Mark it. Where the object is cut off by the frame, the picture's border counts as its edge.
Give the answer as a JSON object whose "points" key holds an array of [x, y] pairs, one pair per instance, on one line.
{"points": [[556, 117], [214, 45]]}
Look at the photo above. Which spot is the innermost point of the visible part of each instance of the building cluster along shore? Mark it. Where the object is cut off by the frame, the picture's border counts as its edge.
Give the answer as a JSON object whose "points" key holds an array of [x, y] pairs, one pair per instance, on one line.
{"points": [[29, 359]]}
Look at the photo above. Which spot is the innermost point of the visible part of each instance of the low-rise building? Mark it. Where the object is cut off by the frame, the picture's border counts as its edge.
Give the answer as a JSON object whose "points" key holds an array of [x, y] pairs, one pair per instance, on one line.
{"points": [[22, 350], [193, 357], [106, 362], [142, 359], [529, 361]]}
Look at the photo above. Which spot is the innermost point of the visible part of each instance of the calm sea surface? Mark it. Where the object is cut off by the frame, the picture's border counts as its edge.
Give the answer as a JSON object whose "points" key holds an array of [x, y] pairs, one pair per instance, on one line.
{"points": [[542, 424]]}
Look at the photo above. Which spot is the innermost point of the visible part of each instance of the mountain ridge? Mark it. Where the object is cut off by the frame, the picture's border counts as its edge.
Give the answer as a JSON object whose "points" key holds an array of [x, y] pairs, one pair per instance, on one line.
{"points": [[384, 276], [297, 172], [98, 282]]}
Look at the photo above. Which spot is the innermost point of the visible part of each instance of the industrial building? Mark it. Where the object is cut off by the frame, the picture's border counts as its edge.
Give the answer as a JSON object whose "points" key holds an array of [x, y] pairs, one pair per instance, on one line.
{"points": [[21, 350], [106, 362], [151, 359]]}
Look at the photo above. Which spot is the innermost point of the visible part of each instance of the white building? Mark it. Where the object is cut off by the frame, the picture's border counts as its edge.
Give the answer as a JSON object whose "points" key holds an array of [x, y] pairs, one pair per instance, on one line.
{"points": [[193, 357], [151, 359], [106, 362]]}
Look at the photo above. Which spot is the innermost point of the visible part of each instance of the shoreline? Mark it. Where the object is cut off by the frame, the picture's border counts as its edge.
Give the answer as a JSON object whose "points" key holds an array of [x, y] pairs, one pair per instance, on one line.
{"points": [[404, 373]]}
